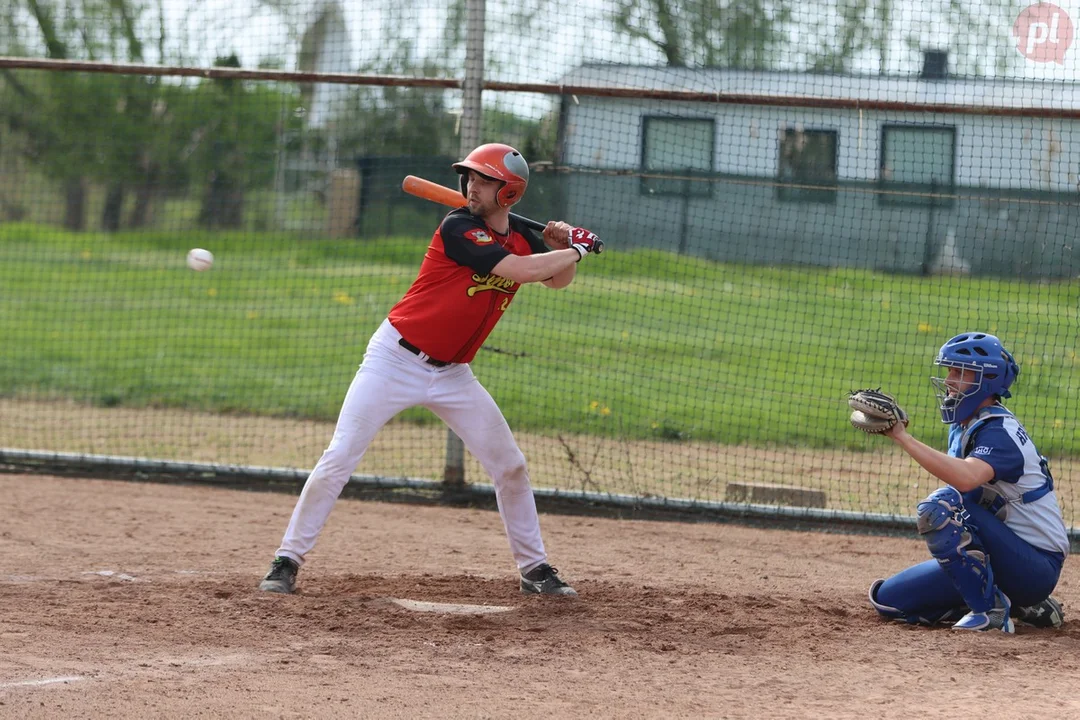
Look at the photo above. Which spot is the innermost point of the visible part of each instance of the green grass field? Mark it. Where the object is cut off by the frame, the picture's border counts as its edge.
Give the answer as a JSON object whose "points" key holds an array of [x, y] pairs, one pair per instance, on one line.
{"points": [[644, 344]]}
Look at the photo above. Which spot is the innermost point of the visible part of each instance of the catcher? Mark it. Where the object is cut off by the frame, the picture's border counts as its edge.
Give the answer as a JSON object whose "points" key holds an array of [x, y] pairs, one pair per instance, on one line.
{"points": [[995, 530]]}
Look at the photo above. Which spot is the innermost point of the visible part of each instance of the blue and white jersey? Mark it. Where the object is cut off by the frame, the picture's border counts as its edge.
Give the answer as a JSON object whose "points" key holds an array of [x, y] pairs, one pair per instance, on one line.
{"points": [[1022, 491]]}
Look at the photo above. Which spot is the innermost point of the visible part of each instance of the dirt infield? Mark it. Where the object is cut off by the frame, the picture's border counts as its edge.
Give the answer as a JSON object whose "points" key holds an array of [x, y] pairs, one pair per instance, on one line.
{"points": [[133, 600]]}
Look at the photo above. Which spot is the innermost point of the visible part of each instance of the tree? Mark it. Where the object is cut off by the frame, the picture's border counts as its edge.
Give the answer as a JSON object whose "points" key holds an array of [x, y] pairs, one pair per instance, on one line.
{"points": [[823, 36], [847, 35], [84, 126], [125, 133], [28, 97], [235, 141], [977, 35], [412, 121], [706, 33]]}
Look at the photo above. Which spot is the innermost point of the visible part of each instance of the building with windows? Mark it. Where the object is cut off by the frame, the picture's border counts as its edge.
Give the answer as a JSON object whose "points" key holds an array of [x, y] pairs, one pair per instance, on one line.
{"points": [[901, 189]]}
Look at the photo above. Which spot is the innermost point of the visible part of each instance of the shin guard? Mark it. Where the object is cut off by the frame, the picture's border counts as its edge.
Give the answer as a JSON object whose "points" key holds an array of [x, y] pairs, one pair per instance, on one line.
{"points": [[953, 542]]}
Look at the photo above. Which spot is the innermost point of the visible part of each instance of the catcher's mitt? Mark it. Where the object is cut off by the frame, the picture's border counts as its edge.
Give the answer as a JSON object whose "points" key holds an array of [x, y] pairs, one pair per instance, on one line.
{"points": [[874, 411]]}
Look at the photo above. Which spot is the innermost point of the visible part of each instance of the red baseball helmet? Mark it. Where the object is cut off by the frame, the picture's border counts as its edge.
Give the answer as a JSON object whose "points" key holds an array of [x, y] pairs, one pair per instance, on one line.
{"points": [[499, 162]]}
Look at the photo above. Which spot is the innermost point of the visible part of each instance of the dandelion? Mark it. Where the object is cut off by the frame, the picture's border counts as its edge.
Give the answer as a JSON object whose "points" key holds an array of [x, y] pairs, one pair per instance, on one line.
{"points": [[252, 315], [605, 411], [212, 292], [85, 254], [925, 327], [594, 404], [1058, 423], [342, 298]]}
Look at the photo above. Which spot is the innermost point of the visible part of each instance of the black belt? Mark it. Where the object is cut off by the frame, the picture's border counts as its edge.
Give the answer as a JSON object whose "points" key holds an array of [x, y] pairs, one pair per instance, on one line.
{"points": [[417, 351]]}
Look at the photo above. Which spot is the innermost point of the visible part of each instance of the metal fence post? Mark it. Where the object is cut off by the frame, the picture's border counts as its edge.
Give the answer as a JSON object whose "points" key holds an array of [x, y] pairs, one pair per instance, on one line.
{"points": [[929, 244], [471, 119]]}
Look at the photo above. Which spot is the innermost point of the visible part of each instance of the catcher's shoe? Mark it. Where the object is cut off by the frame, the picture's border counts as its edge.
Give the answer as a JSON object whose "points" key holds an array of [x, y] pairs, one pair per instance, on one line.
{"points": [[281, 578], [996, 618], [544, 580], [1046, 614]]}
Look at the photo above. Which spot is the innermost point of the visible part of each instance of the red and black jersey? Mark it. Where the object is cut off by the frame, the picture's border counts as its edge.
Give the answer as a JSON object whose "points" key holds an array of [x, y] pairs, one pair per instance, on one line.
{"points": [[455, 301]]}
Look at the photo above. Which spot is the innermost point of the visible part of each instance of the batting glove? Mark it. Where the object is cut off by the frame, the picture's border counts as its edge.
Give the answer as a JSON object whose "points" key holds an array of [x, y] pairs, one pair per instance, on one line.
{"points": [[585, 242]]}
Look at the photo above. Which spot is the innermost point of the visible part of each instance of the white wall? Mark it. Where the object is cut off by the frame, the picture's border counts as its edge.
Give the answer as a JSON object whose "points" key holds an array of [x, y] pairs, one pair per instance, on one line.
{"points": [[991, 151]]}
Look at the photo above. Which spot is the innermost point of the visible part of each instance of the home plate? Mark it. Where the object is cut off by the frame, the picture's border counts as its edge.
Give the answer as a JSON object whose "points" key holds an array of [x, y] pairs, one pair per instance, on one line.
{"points": [[449, 608]]}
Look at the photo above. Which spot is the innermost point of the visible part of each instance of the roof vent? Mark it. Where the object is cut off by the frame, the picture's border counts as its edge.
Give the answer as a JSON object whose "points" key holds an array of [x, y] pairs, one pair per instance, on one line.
{"points": [[935, 65]]}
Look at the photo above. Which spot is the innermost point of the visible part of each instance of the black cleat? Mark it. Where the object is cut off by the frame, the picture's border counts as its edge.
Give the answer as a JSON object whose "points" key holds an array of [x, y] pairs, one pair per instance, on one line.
{"points": [[281, 578], [544, 580], [1046, 614]]}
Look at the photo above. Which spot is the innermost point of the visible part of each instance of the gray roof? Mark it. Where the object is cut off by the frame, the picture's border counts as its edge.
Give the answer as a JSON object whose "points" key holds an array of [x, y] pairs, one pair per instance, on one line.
{"points": [[1029, 94]]}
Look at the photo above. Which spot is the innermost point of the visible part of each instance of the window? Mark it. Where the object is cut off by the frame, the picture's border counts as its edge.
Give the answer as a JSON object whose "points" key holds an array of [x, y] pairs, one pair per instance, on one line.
{"points": [[682, 147], [807, 157], [917, 160]]}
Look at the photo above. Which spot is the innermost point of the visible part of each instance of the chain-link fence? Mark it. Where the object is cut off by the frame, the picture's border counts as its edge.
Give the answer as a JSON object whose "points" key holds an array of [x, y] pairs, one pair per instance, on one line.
{"points": [[788, 217]]}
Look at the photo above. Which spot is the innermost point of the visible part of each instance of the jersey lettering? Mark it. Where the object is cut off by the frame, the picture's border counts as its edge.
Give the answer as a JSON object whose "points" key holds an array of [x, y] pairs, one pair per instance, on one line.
{"points": [[490, 282]]}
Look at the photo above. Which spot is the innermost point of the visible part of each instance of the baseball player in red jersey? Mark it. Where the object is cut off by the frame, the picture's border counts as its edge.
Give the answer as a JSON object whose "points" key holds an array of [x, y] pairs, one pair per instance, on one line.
{"points": [[476, 262]]}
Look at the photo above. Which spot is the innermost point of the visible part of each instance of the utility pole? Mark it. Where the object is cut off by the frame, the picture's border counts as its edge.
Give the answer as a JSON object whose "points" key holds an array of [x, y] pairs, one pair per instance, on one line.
{"points": [[472, 115]]}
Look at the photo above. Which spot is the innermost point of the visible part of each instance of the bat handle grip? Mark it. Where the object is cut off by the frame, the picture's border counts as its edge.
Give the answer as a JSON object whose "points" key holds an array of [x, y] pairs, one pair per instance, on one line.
{"points": [[539, 226]]}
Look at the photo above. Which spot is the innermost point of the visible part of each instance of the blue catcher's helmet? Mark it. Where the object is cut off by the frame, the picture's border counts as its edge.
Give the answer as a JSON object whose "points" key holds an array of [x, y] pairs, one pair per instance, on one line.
{"points": [[994, 370]]}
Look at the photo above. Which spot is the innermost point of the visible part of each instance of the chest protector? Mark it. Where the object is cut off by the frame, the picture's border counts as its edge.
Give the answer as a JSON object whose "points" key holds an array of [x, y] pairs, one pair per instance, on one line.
{"points": [[961, 441]]}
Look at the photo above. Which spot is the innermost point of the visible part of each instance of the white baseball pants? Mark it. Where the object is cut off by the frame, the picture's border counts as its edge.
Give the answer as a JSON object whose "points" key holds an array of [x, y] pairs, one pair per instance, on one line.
{"points": [[392, 379]]}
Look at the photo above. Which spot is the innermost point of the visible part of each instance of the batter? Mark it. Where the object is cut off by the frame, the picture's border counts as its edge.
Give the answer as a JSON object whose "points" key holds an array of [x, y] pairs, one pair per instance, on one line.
{"points": [[476, 262]]}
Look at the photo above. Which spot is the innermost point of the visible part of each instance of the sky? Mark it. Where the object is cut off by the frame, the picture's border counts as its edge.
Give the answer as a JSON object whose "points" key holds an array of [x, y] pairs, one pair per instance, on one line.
{"points": [[572, 32], [580, 32]]}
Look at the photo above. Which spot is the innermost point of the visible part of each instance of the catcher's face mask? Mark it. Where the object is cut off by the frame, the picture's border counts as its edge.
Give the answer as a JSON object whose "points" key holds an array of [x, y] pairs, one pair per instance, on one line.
{"points": [[992, 371], [959, 380], [960, 391]]}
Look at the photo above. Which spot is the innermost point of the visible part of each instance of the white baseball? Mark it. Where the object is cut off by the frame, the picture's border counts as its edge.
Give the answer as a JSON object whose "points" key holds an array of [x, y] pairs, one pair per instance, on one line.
{"points": [[199, 259]]}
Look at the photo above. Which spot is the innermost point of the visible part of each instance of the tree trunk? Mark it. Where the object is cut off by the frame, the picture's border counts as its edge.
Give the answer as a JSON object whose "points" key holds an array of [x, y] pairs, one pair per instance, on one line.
{"points": [[144, 197], [114, 203], [75, 204], [672, 44], [150, 173], [223, 203]]}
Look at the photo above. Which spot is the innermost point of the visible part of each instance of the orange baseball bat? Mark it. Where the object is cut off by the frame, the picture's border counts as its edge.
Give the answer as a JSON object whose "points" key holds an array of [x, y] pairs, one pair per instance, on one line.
{"points": [[421, 188], [443, 195], [434, 192]]}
